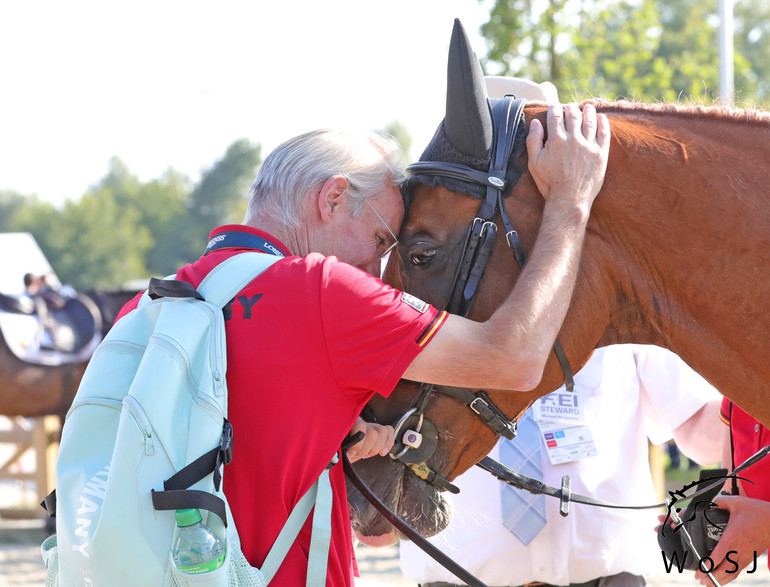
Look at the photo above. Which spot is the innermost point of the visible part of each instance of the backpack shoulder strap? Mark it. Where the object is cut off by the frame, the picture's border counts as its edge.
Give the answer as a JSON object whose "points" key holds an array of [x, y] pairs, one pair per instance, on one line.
{"points": [[320, 496], [217, 288], [232, 275]]}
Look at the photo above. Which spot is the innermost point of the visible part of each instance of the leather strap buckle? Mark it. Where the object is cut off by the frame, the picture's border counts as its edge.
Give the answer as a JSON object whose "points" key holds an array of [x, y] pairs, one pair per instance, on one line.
{"points": [[226, 445]]}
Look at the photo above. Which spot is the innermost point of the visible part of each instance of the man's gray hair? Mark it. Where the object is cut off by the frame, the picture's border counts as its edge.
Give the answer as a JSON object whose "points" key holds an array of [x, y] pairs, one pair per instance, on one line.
{"points": [[300, 166]]}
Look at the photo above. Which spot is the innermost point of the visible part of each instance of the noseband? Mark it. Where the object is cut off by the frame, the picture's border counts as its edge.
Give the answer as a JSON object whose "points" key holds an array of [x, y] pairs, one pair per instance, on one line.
{"points": [[416, 437]]}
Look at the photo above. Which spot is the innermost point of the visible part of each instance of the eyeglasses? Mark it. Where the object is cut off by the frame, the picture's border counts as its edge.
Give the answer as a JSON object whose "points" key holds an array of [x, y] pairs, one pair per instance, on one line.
{"points": [[385, 224]]}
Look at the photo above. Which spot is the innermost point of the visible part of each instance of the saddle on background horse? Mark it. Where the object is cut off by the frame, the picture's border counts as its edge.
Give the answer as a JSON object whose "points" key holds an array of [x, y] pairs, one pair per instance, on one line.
{"points": [[43, 336]]}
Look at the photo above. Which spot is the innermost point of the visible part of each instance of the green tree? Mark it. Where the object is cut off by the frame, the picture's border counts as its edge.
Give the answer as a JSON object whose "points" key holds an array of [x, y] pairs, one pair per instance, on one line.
{"points": [[399, 132], [688, 43], [90, 243], [11, 203], [120, 182], [615, 53], [162, 206], [158, 201], [752, 40], [644, 49], [522, 38], [39, 218], [124, 229], [156, 206], [177, 216], [219, 198], [103, 244]]}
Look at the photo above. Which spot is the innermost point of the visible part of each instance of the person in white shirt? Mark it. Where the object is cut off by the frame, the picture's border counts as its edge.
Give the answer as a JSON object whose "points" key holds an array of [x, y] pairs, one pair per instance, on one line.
{"points": [[624, 395]]}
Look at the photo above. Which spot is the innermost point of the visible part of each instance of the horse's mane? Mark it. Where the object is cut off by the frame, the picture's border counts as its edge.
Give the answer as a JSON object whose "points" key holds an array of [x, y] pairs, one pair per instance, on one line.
{"points": [[630, 107]]}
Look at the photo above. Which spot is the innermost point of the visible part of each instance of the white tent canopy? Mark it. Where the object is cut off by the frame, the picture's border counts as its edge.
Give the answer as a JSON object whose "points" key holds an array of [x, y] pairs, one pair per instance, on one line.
{"points": [[20, 255]]}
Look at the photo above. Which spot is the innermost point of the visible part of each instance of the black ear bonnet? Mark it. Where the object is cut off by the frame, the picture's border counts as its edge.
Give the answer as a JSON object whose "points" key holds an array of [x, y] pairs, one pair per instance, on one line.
{"points": [[466, 135], [440, 149]]}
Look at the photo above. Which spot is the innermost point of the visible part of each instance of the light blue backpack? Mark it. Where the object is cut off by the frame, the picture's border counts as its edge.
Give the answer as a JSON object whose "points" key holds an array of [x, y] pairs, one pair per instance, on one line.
{"points": [[147, 434]]}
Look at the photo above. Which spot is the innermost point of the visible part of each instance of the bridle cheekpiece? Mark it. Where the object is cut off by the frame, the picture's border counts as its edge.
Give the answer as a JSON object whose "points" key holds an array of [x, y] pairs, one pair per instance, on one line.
{"points": [[417, 437]]}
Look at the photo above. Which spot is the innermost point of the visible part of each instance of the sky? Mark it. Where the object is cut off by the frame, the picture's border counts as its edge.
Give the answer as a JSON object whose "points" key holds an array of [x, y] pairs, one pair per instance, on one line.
{"points": [[171, 83]]}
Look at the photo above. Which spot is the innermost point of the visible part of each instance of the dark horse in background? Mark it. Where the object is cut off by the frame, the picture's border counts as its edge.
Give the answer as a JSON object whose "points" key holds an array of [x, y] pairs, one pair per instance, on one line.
{"points": [[676, 255], [33, 388]]}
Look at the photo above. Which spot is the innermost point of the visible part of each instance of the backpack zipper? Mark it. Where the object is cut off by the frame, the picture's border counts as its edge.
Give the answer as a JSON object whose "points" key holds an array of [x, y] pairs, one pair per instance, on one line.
{"points": [[209, 406], [104, 402], [142, 422]]}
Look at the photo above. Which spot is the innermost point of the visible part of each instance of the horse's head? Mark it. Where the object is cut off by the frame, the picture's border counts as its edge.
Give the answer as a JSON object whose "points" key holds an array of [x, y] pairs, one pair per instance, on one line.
{"points": [[452, 185]]}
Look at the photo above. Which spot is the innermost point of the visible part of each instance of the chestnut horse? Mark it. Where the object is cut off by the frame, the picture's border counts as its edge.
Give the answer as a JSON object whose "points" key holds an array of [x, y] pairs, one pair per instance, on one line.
{"points": [[31, 390], [673, 256]]}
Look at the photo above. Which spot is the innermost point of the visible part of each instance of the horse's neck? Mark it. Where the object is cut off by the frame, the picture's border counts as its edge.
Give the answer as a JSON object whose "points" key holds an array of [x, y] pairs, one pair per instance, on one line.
{"points": [[687, 194], [680, 231]]}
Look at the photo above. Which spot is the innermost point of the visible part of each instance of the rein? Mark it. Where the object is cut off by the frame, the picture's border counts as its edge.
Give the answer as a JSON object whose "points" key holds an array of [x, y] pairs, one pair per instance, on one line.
{"points": [[534, 486], [403, 527], [503, 473]]}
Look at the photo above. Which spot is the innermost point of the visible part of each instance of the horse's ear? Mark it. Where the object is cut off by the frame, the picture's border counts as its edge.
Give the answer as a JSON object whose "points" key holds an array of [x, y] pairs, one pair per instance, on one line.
{"points": [[468, 123], [465, 135]]}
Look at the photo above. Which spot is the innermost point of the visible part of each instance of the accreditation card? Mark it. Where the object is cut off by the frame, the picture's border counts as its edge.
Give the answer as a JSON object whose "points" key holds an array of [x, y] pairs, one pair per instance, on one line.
{"points": [[561, 418]]}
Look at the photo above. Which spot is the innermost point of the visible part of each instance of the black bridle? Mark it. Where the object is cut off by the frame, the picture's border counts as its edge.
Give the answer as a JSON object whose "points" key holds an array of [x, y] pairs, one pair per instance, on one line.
{"points": [[417, 437]]}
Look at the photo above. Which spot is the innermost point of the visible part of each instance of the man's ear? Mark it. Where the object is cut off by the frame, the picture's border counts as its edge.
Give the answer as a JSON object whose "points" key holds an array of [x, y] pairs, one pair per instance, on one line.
{"points": [[331, 197]]}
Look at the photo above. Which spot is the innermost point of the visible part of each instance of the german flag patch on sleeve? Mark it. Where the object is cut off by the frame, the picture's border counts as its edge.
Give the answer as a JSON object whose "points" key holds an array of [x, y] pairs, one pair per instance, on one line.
{"points": [[414, 302], [431, 329]]}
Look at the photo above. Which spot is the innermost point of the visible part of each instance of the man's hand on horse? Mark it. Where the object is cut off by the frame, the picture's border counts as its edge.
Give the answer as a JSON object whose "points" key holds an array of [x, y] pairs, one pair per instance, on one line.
{"points": [[569, 166], [378, 440]]}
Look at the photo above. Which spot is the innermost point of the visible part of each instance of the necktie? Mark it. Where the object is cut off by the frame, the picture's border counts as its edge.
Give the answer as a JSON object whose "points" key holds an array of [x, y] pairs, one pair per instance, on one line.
{"points": [[523, 512]]}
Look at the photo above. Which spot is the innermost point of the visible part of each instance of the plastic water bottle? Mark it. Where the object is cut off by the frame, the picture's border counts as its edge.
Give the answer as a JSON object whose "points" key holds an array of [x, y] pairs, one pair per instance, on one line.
{"points": [[197, 549]]}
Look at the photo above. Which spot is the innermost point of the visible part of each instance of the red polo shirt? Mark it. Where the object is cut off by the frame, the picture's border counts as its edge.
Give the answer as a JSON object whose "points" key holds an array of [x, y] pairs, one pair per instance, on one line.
{"points": [[309, 342], [748, 436]]}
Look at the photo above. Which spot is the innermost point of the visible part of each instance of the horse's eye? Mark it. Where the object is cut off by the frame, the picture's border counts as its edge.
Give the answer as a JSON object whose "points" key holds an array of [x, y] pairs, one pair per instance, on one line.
{"points": [[420, 257]]}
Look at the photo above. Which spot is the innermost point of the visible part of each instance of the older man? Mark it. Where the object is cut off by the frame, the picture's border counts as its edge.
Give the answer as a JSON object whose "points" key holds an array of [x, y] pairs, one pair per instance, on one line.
{"points": [[316, 335]]}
